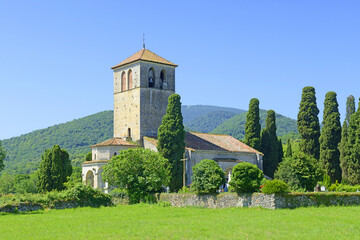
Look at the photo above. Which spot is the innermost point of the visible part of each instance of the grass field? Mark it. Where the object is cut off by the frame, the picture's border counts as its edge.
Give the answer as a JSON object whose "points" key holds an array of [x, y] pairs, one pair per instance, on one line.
{"points": [[155, 222]]}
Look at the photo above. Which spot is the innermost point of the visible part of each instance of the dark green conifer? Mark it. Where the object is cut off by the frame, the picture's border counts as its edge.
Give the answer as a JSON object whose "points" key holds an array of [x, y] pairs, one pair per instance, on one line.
{"points": [[342, 149], [308, 123], [330, 138], [252, 125], [352, 148], [288, 152], [350, 107], [171, 140], [271, 146], [55, 167]]}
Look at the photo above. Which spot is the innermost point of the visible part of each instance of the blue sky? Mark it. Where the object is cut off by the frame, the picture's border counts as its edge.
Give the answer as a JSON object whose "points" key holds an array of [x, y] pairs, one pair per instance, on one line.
{"points": [[55, 56]]}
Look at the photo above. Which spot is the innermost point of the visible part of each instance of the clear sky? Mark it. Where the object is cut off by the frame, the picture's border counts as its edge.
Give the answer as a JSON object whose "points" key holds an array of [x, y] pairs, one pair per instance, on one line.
{"points": [[55, 56]]}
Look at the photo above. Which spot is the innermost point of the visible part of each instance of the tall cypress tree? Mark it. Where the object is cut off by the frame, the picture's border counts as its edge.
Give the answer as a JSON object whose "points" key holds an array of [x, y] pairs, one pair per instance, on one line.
{"points": [[352, 148], [288, 152], [342, 150], [252, 125], [330, 138], [270, 145], [55, 167], [350, 107], [171, 140], [308, 123]]}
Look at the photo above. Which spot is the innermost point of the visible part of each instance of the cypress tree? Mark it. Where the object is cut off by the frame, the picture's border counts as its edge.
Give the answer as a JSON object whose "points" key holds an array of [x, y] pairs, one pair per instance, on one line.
{"points": [[350, 107], [288, 152], [171, 140], [271, 146], [330, 138], [352, 148], [55, 167], [342, 149], [2, 157], [252, 125], [308, 123]]}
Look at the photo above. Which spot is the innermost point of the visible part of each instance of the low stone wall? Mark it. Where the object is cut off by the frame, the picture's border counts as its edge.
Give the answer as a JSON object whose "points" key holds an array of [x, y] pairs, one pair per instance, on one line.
{"points": [[29, 207], [270, 201]]}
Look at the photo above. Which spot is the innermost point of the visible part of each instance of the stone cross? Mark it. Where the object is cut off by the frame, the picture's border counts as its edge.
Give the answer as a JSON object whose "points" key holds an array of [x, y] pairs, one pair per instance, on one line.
{"points": [[183, 160]]}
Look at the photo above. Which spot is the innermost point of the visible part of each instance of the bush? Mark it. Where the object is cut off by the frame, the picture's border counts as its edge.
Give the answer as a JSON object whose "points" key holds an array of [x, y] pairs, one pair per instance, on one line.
{"points": [[275, 186], [87, 196], [207, 176], [299, 172], [184, 190], [246, 178], [118, 193], [337, 187]]}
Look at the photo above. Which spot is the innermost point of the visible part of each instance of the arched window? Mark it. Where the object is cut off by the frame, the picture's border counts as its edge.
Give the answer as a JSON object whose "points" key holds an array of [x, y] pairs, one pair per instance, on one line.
{"points": [[130, 79], [123, 81], [90, 178], [151, 78], [163, 83]]}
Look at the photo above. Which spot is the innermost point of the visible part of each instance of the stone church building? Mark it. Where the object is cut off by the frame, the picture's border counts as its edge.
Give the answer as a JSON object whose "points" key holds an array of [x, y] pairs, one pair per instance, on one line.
{"points": [[142, 84]]}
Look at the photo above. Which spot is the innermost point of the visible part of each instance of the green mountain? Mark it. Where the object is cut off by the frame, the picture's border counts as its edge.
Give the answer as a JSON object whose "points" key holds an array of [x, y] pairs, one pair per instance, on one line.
{"points": [[24, 152], [235, 126]]}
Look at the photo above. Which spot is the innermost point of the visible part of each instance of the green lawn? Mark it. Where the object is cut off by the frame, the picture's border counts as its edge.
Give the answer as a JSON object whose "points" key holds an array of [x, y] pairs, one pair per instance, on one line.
{"points": [[154, 222]]}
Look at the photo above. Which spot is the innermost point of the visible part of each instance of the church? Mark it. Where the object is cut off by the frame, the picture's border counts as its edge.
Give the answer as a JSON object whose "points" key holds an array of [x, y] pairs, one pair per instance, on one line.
{"points": [[142, 84]]}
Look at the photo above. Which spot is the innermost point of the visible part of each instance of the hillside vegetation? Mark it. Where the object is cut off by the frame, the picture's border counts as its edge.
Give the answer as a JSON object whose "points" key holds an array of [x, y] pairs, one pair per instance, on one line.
{"points": [[24, 152]]}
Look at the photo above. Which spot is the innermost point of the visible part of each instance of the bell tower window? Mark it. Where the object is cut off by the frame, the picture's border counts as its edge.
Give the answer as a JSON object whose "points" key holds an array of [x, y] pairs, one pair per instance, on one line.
{"points": [[163, 83], [123, 81], [151, 78], [130, 79]]}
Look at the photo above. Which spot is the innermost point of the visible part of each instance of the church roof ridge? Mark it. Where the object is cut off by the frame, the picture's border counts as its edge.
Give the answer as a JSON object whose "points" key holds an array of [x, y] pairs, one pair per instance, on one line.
{"points": [[144, 55], [115, 141]]}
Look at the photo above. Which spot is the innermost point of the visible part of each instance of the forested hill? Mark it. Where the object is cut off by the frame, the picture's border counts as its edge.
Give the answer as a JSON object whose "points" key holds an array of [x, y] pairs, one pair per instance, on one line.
{"points": [[24, 152]]}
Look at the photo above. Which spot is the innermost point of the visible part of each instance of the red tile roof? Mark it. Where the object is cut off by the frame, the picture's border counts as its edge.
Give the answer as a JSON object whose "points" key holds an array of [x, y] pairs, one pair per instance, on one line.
{"points": [[114, 142], [206, 141], [145, 55]]}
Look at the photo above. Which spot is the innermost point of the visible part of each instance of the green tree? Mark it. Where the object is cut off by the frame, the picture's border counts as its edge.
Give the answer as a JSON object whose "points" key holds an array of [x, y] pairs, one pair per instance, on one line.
{"points": [[88, 156], [252, 125], [246, 178], [342, 149], [2, 157], [7, 183], [308, 123], [140, 171], [171, 140], [271, 146], [300, 172], [352, 149], [55, 167], [330, 138], [207, 176], [350, 108], [288, 152], [74, 179], [24, 184]]}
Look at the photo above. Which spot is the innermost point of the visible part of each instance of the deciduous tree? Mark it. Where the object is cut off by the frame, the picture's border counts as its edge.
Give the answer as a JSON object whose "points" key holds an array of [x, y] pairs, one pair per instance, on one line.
{"points": [[2, 157], [207, 176]]}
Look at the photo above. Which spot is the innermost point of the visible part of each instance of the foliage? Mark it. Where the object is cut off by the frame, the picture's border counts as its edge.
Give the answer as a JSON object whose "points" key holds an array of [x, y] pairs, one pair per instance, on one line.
{"points": [[330, 138], [85, 195], [308, 123], [171, 140], [88, 156], [184, 190], [337, 187], [246, 178], [235, 126], [207, 176], [2, 157], [7, 183], [299, 172], [208, 122], [74, 179], [252, 125], [275, 186], [55, 167], [271, 147], [24, 152], [118, 193], [288, 152], [350, 108], [139, 171], [352, 149]]}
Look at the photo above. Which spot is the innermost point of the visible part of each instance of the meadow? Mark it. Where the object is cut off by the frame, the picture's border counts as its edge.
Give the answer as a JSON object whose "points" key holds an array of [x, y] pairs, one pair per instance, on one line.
{"points": [[145, 221]]}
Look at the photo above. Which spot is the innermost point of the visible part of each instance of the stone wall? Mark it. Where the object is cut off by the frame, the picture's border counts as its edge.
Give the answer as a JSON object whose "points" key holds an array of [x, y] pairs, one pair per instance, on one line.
{"points": [[270, 201], [29, 207]]}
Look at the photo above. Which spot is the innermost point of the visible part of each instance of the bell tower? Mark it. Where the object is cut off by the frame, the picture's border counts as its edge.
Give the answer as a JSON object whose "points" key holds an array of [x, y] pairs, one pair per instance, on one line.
{"points": [[142, 84]]}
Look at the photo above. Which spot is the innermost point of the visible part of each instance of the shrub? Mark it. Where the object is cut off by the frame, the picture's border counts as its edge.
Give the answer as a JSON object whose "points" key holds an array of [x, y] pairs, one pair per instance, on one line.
{"points": [[184, 189], [86, 195], [246, 178], [118, 193], [207, 176], [299, 172], [337, 187], [275, 186]]}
